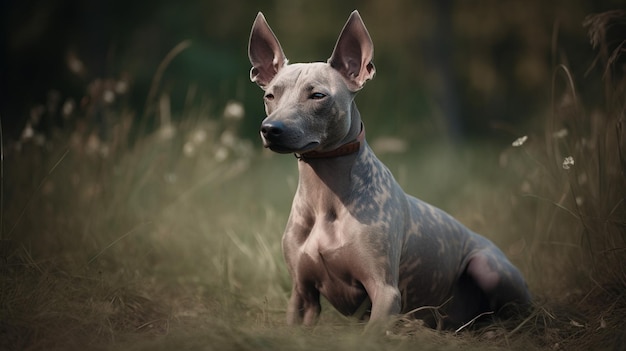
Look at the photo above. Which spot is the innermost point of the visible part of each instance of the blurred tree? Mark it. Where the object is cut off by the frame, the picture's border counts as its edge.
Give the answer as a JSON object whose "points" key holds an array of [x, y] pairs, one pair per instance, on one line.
{"points": [[447, 68]]}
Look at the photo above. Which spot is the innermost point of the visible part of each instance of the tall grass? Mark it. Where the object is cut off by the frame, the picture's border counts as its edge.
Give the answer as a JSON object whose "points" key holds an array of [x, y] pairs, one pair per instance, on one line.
{"points": [[574, 178], [173, 241]]}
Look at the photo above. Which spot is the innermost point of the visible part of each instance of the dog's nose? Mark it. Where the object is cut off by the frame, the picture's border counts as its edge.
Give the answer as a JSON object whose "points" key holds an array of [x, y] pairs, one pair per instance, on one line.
{"points": [[272, 130]]}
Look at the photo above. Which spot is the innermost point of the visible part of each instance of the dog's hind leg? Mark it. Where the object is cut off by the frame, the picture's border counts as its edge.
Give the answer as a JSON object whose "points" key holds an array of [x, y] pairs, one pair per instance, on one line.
{"points": [[501, 283]]}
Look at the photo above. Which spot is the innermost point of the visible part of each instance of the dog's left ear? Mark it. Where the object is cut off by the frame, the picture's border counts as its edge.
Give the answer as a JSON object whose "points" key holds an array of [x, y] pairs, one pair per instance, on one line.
{"points": [[353, 53]]}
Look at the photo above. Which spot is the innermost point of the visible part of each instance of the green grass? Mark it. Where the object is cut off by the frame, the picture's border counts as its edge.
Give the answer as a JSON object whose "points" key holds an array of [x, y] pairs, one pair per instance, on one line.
{"points": [[174, 242]]}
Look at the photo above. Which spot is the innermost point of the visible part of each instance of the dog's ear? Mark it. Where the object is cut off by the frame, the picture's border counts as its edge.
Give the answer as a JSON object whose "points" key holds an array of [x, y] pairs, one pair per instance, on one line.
{"points": [[265, 52], [353, 53]]}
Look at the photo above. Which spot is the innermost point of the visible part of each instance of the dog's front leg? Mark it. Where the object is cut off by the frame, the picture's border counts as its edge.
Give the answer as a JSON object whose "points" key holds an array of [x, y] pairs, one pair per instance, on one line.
{"points": [[386, 301], [303, 307], [379, 274]]}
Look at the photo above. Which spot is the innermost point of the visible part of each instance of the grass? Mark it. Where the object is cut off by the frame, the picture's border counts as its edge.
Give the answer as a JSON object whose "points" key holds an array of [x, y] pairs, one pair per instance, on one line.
{"points": [[174, 242]]}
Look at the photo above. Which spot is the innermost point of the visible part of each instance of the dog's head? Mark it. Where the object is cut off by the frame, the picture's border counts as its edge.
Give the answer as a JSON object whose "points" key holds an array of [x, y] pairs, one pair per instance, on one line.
{"points": [[308, 105]]}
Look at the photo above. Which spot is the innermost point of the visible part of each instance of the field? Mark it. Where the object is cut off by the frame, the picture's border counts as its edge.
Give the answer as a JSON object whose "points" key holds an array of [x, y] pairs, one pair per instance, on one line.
{"points": [[172, 241]]}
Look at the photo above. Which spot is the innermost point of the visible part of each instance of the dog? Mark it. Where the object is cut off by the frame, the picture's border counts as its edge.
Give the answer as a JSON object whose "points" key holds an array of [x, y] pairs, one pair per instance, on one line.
{"points": [[353, 235]]}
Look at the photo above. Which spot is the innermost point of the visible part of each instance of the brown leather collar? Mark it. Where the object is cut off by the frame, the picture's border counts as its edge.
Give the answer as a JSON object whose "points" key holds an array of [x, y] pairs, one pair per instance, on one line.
{"points": [[345, 149]]}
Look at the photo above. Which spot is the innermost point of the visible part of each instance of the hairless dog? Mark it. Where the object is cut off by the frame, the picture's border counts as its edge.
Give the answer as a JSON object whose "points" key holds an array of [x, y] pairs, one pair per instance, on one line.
{"points": [[353, 235]]}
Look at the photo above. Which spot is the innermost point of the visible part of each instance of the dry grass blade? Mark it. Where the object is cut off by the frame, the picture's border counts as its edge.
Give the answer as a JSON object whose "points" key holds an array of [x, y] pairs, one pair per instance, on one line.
{"points": [[158, 76], [110, 245], [471, 321]]}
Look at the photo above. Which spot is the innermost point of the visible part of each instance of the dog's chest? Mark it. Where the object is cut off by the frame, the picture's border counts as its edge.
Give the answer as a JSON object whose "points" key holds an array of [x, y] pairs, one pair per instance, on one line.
{"points": [[328, 260]]}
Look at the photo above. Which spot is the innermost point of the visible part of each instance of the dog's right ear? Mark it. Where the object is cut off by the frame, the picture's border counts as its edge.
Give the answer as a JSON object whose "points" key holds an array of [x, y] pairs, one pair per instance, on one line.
{"points": [[265, 52]]}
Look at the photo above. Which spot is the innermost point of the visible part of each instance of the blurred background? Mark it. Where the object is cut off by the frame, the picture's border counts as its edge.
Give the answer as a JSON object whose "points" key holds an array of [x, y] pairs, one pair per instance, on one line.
{"points": [[445, 69], [138, 209]]}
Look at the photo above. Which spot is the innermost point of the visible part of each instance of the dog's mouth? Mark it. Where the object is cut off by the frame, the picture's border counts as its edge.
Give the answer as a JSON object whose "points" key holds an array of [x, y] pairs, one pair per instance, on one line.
{"points": [[282, 149]]}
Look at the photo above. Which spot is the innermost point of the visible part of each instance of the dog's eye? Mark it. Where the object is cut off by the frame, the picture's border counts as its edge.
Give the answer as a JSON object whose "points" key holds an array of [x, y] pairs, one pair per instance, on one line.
{"points": [[269, 97], [317, 96]]}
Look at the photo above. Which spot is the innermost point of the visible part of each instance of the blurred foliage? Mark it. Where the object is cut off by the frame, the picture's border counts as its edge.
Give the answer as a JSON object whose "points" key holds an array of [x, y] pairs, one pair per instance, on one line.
{"points": [[445, 69]]}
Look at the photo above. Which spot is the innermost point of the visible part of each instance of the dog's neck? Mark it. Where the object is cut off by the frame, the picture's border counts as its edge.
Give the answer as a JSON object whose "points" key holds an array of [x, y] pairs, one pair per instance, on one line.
{"points": [[334, 171]]}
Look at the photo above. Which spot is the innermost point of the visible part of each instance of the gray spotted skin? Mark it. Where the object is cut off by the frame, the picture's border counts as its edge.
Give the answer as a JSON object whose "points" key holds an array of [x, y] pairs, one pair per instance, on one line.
{"points": [[353, 235]]}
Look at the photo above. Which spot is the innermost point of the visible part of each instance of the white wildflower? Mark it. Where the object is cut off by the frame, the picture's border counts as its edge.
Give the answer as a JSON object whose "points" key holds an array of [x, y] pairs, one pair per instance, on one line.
{"points": [[68, 108], [28, 132], [580, 200], [189, 149], [121, 87], [568, 162], [166, 132], [520, 141], [108, 96], [221, 154], [233, 111], [75, 65], [560, 134], [199, 136]]}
